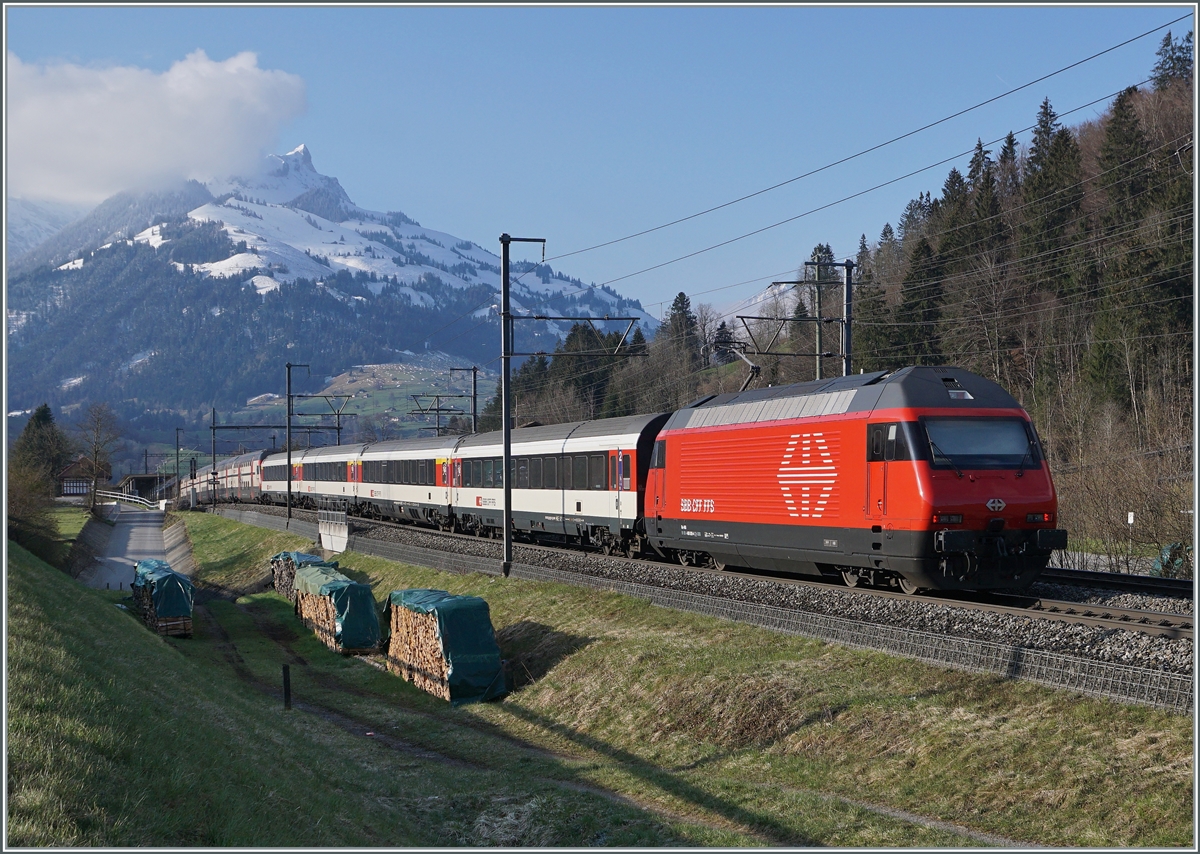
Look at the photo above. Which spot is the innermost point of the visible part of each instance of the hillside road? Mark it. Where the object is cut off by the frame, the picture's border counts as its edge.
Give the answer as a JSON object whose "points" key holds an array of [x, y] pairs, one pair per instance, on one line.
{"points": [[137, 536]]}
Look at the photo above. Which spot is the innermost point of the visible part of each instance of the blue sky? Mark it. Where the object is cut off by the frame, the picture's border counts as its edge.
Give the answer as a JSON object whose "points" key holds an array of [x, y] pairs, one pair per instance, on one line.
{"points": [[581, 125]]}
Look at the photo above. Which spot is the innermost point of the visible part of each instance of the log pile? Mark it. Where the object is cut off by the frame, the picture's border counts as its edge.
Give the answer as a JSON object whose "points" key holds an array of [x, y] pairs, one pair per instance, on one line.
{"points": [[319, 616], [148, 576], [165, 626], [283, 575], [415, 652]]}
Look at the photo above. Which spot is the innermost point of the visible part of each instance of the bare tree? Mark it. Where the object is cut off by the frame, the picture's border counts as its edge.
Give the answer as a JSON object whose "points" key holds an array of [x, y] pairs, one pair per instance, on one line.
{"points": [[99, 434]]}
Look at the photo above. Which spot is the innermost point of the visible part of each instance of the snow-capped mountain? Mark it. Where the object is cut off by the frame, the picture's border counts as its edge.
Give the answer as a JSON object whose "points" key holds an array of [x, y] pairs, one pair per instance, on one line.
{"points": [[297, 223], [199, 293]]}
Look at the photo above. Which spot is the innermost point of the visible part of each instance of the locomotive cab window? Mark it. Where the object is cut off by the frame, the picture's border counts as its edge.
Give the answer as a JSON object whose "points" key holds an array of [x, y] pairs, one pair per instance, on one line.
{"points": [[888, 442], [981, 442], [658, 460]]}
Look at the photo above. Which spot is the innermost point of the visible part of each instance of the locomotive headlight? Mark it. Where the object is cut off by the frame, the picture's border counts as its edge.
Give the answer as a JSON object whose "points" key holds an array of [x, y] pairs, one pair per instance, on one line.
{"points": [[1039, 517], [947, 518]]}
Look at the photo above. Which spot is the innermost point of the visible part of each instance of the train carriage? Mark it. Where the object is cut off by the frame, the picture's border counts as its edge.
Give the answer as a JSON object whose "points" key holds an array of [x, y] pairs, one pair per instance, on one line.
{"points": [[408, 479], [919, 478], [580, 482], [317, 473]]}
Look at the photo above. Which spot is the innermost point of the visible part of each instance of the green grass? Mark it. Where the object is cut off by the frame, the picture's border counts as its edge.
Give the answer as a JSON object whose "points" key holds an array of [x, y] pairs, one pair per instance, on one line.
{"points": [[68, 521], [786, 740], [631, 726], [117, 738]]}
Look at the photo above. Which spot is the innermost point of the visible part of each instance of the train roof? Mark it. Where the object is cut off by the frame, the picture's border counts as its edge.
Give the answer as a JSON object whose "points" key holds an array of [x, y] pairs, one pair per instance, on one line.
{"points": [[916, 387], [418, 443], [624, 426]]}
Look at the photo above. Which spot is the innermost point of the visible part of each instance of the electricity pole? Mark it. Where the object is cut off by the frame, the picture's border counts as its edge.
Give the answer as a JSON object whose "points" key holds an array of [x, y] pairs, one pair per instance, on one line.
{"points": [[848, 266], [178, 482], [506, 347], [289, 367]]}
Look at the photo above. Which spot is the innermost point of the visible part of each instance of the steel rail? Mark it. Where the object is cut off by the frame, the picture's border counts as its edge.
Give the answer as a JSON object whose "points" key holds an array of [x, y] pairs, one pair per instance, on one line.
{"points": [[1160, 623], [1183, 587]]}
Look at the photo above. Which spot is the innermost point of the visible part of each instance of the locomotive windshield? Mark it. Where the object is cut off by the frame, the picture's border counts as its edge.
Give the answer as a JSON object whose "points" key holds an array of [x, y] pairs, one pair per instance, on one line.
{"points": [[980, 443]]}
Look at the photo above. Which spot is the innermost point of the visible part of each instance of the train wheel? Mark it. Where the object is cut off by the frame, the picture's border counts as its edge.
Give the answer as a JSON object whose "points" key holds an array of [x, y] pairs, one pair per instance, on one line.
{"points": [[713, 563], [686, 558], [850, 577], [907, 587]]}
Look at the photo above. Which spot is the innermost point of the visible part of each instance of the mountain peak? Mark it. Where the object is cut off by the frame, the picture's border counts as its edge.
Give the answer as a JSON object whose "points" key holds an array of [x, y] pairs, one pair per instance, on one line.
{"points": [[301, 153], [280, 178]]}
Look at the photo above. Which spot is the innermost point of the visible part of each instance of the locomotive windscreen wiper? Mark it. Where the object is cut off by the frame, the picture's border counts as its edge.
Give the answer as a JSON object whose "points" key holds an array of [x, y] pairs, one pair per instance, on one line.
{"points": [[1021, 467], [945, 456]]}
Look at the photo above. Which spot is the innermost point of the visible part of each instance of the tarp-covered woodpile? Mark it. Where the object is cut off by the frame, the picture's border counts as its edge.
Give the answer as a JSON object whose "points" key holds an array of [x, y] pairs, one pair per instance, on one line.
{"points": [[283, 570], [340, 611], [445, 645], [164, 597]]}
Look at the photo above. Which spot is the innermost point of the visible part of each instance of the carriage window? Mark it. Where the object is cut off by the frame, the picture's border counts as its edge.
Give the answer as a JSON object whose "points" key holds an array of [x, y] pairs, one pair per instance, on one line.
{"points": [[566, 472], [596, 470], [626, 473], [477, 473], [550, 473], [580, 471], [612, 472], [535, 473], [487, 473]]}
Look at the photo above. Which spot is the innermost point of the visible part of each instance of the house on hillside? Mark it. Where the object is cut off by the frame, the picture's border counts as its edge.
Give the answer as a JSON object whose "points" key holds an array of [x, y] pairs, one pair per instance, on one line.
{"points": [[76, 479]]}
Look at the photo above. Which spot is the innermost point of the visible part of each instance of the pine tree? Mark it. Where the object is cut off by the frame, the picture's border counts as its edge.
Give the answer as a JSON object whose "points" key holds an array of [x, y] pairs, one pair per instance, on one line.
{"points": [[1174, 61], [980, 161], [681, 329], [920, 308], [1124, 164]]}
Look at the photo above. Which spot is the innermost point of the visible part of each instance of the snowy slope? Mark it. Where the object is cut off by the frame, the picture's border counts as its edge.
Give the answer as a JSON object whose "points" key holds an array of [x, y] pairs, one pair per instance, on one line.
{"points": [[277, 214], [28, 223]]}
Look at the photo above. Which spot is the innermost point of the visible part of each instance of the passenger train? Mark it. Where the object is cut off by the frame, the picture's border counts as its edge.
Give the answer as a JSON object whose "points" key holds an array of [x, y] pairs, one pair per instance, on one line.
{"points": [[919, 478]]}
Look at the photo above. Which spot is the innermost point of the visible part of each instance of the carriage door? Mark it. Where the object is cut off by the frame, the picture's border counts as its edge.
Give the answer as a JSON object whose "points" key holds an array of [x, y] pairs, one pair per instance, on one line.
{"points": [[881, 449]]}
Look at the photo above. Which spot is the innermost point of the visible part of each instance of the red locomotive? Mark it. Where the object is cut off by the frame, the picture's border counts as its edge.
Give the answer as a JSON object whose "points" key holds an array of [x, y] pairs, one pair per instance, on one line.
{"points": [[918, 478]]}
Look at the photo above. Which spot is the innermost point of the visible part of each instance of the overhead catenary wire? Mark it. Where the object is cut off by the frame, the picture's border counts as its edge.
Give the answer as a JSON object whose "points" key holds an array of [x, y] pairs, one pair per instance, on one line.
{"points": [[873, 148], [843, 160]]}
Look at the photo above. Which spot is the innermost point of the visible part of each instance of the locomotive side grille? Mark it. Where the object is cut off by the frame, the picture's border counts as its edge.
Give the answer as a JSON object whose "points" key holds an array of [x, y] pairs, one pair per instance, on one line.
{"points": [[805, 406]]}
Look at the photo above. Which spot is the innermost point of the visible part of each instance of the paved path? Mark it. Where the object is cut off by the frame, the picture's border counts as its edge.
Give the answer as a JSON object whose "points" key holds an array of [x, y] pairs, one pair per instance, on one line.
{"points": [[137, 536]]}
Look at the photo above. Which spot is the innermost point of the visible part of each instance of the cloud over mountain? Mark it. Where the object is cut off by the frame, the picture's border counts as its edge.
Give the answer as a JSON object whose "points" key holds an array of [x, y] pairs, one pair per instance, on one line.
{"points": [[80, 134]]}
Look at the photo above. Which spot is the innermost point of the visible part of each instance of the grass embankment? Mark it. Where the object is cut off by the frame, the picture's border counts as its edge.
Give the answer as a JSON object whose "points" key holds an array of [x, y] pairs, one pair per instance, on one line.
{"points": [[724, 734], [119, 738], [68, 520]]}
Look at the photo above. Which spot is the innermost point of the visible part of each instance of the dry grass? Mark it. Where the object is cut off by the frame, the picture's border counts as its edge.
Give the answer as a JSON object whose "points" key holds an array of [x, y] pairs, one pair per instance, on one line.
{"points": [[794, 741]]}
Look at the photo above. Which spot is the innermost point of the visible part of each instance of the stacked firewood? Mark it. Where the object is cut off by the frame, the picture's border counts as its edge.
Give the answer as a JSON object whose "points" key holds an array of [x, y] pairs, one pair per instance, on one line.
{"points": [[415, 651], [283, 573], [143, 598], [318, 615]]}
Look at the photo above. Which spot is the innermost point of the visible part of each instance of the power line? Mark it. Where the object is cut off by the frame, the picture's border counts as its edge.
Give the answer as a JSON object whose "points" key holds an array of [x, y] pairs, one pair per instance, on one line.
{"points": [[865, 151]]}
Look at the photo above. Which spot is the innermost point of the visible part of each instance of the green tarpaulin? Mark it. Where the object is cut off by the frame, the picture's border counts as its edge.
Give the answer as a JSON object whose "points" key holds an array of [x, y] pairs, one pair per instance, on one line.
{"points": [[170, 591], [357, 621], [464, 624], [303, 559]]}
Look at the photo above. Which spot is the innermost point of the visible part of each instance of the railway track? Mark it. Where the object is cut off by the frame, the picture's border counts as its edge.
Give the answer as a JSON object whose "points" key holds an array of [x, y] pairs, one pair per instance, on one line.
{"points": [[1155, 623], [1182, 587]]}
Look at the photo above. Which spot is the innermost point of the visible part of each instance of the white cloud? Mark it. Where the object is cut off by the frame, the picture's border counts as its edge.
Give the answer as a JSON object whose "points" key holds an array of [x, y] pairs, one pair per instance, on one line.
{"points": [[77, 134]]}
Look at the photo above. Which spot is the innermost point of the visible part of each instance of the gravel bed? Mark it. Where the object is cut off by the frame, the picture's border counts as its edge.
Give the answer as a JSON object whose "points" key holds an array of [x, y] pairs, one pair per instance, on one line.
{"points": [[1111, 598], [1112, 645]]}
